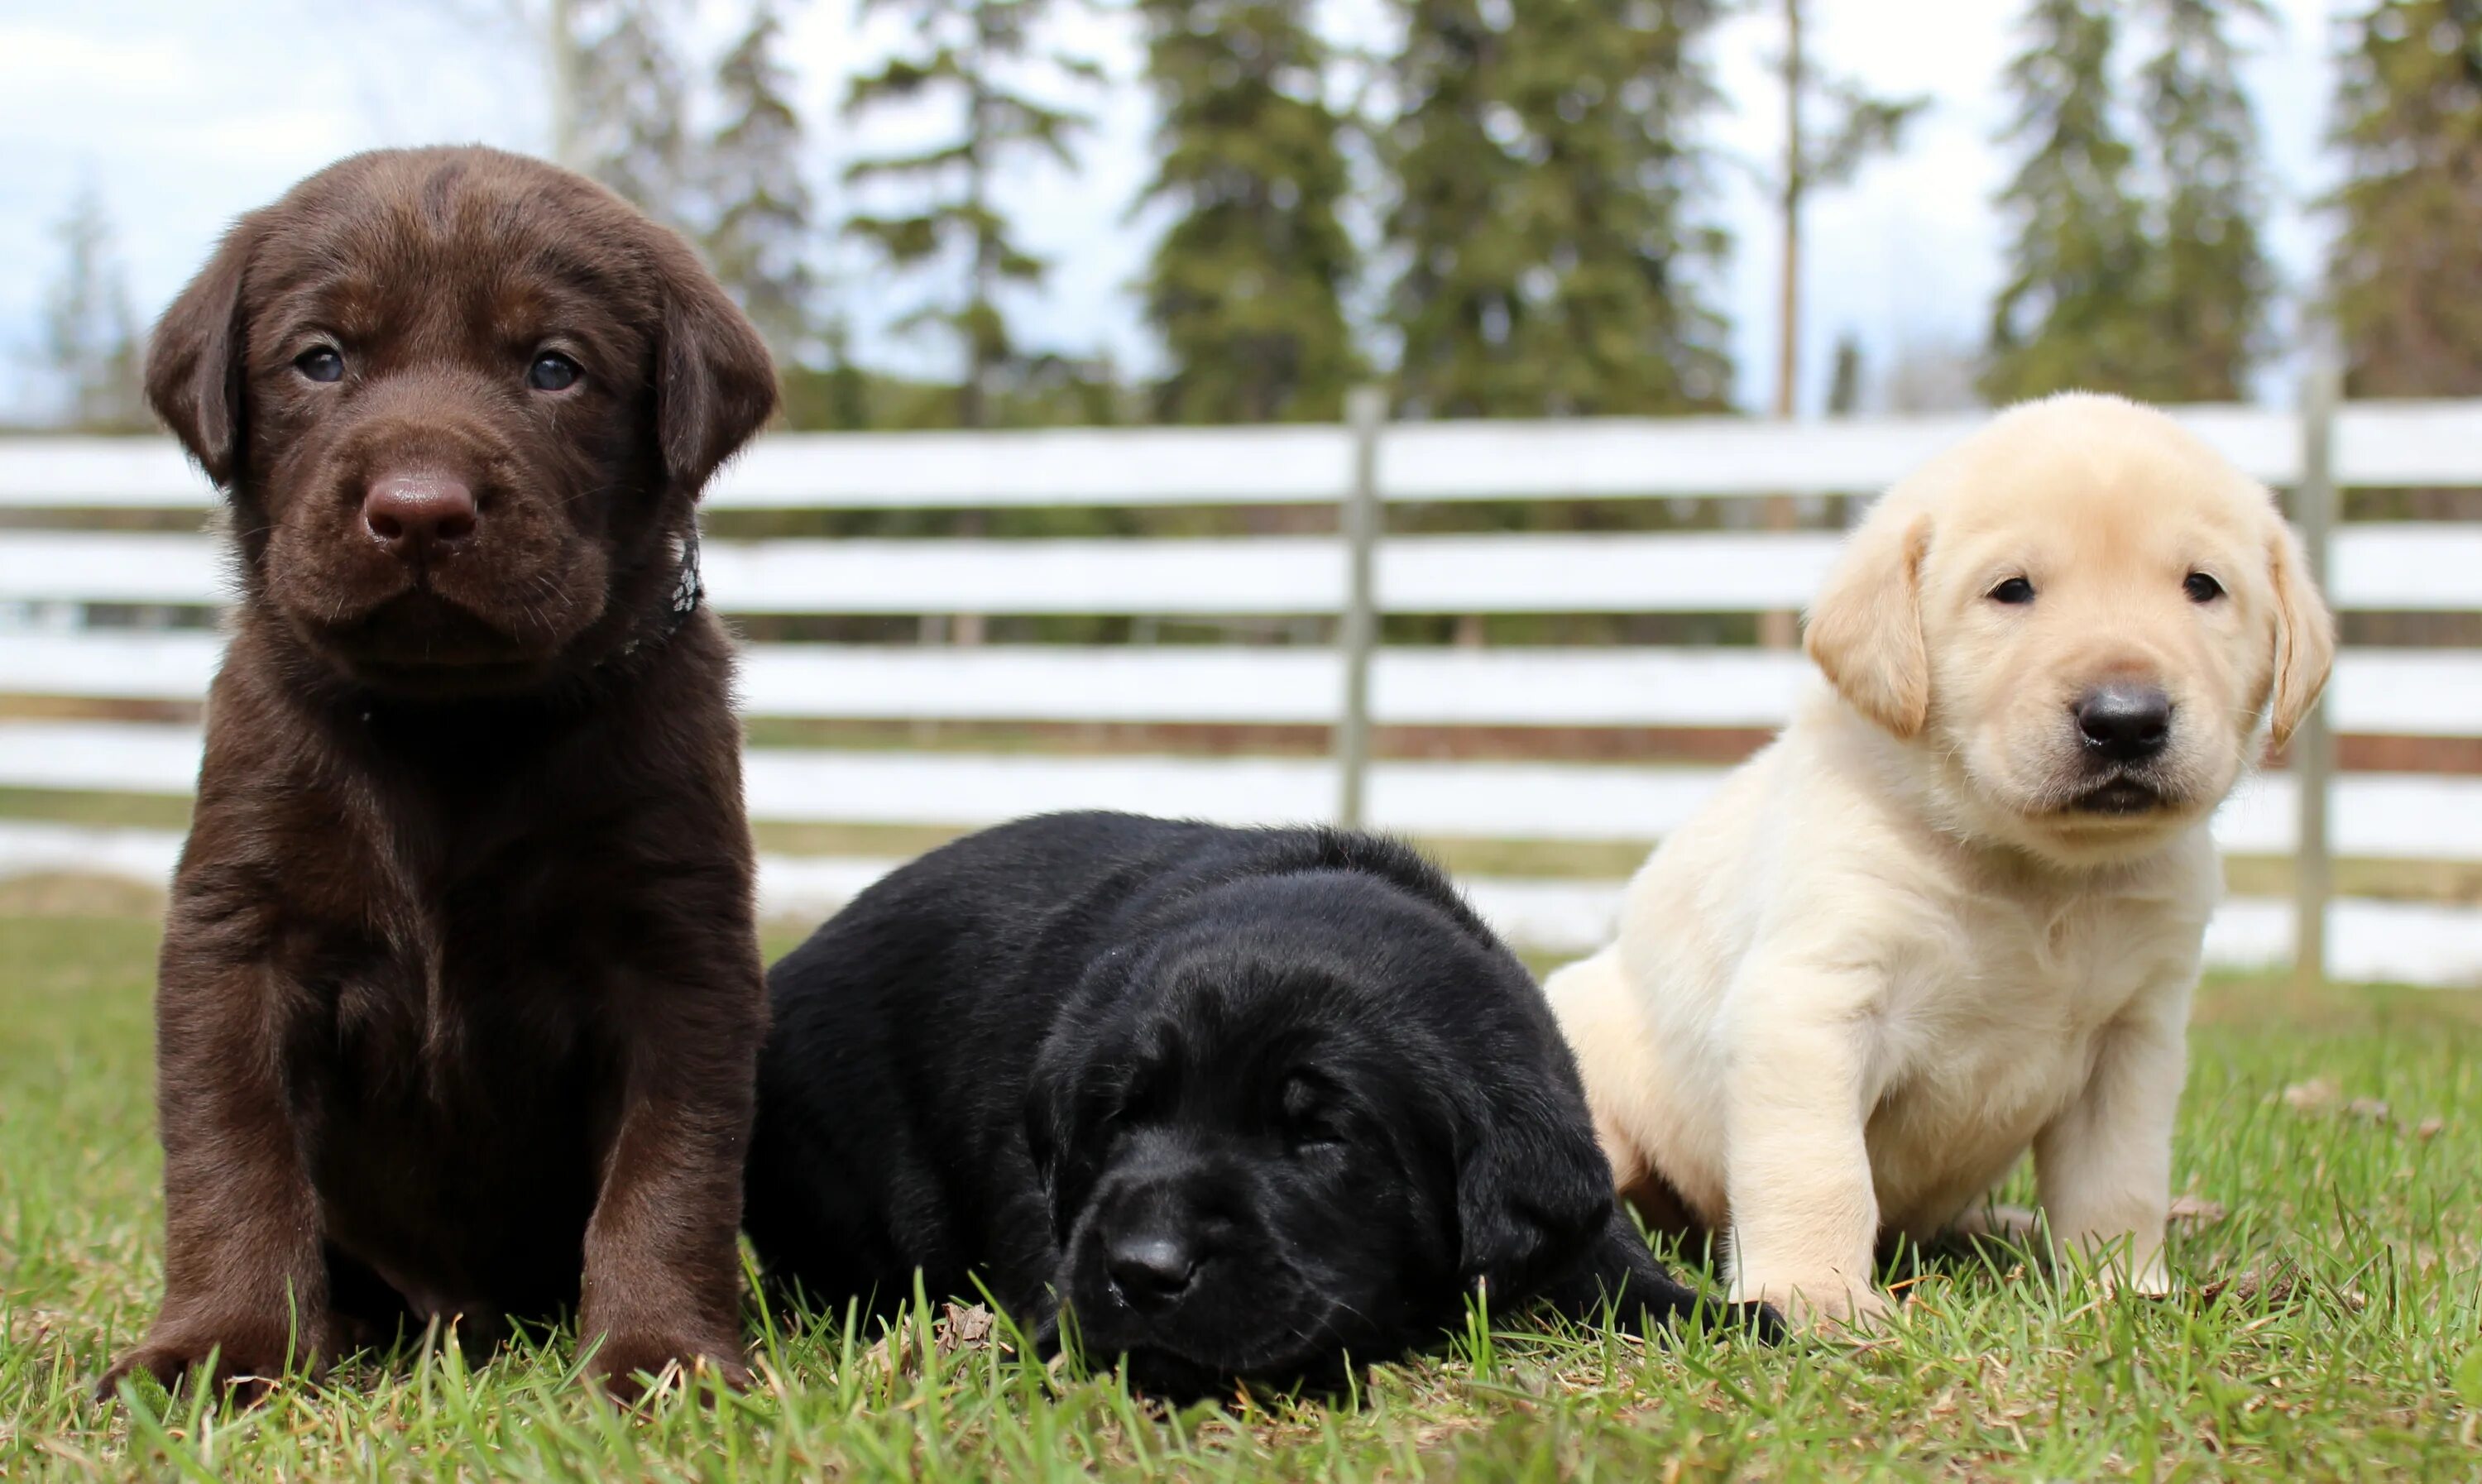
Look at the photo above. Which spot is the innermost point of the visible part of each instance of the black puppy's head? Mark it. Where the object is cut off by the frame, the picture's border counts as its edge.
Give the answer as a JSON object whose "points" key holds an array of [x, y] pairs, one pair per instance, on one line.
{"points": [[462, 403], [1319, 1114]]}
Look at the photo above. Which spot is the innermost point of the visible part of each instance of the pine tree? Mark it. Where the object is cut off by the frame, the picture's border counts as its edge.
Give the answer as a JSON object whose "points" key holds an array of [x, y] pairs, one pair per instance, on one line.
{"points": [[2406, 275], [1247, 287], [627, 95], [760, 233], [1454, 304], [969, 52], [90, 341], [2210, 277], [2074, 311], [1550, 205]]}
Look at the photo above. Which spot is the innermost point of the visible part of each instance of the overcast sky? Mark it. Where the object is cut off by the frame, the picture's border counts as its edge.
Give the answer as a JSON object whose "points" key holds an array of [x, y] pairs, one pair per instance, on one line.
{"points": [[184, 113]]}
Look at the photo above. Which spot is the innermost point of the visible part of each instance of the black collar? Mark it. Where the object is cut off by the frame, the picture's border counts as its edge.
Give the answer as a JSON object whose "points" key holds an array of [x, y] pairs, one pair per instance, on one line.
{"points": [[688, 591]]}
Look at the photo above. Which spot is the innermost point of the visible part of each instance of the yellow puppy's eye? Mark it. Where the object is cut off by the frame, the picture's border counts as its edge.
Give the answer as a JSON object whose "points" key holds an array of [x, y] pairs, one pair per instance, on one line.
{"points": [[2201, 588], [2016, 590]]}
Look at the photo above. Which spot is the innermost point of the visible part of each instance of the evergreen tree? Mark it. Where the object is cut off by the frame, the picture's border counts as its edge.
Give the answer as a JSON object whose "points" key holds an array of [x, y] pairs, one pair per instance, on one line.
{"points": [[90, 341], [1247, 287], [2406, 275], [1549, 209], [2211, 278], [760, 235], [2074, 311], [969, 52], [1844, 377], [627, 94], [1454, 304]]}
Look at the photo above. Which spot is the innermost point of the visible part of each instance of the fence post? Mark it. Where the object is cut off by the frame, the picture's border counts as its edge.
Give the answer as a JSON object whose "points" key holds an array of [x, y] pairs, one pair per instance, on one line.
{"points": [[1366, 411], [2313, 743]]}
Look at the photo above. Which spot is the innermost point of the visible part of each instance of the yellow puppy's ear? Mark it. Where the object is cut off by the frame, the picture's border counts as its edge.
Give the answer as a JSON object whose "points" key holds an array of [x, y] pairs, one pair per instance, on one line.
{"points": [[2304, 635], [1865, 631]]}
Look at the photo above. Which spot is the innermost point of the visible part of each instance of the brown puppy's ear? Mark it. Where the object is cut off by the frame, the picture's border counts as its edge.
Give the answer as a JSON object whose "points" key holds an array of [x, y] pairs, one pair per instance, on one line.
{"points": [[714, 383], [1865, 631], [194, 360], [2305, 636]]}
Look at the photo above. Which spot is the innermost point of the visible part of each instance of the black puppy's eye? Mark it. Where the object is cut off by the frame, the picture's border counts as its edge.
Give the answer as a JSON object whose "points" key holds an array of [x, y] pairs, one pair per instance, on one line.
{"points": [[321, 363], [1306, 1115], [2201, 589], [2014, 591], [552, 371]]}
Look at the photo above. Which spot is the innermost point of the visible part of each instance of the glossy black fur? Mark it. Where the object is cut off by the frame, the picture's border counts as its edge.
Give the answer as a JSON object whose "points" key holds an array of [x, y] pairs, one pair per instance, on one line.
{"points": [[1079, 1054]]}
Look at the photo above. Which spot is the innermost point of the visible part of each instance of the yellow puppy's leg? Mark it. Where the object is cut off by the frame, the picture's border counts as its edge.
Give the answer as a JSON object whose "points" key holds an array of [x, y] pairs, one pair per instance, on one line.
{"points": [[2104, 1165], [1804, 1212]]}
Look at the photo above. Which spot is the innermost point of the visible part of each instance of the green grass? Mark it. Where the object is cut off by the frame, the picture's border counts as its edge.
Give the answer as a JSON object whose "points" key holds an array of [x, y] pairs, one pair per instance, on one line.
{"points": [[2329, 1329]]}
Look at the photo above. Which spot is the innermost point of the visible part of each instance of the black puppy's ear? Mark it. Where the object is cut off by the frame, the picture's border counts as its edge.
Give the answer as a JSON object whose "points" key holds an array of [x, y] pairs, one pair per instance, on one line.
{"points": [[715, 385], [1533, 1192], [194, 360], [1052, 1117]]}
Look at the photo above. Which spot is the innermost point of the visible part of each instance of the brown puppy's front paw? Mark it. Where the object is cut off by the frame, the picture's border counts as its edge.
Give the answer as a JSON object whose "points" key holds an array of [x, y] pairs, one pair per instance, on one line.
{"points": [[243, 1358], [632, 1367]]}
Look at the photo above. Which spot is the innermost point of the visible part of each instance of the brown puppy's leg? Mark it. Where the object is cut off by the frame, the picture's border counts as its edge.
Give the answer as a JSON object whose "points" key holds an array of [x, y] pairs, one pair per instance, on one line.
{"points": [[663, 1273], [245, 1280]]}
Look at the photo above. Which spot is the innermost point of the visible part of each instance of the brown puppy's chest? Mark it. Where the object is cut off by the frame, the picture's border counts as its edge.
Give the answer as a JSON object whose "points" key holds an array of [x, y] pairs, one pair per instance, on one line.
{"points": [[453, 1115], [467, 921]]}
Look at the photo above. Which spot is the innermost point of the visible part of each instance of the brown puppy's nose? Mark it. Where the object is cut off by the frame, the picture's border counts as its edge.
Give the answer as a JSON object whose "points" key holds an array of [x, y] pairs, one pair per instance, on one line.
{"points": [[2125, 720], [417, 516]]}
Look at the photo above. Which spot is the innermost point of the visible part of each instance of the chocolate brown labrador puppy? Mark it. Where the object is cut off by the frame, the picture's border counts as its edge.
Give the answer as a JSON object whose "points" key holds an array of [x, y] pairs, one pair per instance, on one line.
{"points": [[459, 998]]}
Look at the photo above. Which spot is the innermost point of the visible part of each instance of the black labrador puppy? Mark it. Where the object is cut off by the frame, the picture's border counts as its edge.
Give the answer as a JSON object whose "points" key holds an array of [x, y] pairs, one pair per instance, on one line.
{"points": [[1234, 1104]]}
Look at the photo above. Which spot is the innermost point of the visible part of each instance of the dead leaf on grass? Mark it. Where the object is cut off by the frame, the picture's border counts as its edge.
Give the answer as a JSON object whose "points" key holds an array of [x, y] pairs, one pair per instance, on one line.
{"points": [[2429, 1128], [2274, 1284], [964, 1327], [959, 1327], [2312, 1096]]}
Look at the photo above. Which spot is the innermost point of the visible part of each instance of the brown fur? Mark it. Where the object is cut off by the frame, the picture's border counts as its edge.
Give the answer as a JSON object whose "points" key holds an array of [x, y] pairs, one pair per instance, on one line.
{"points": [[460, 996]]}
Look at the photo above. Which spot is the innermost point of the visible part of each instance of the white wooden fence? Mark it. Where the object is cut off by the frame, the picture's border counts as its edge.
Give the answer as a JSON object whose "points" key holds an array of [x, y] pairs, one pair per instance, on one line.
{"points": [[92, 620]]}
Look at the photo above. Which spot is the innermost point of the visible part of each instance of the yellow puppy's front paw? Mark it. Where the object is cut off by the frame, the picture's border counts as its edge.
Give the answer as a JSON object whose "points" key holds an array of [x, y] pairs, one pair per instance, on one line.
{"points": [[2152, 1280], [2017, 1225], [1824, 1303]]}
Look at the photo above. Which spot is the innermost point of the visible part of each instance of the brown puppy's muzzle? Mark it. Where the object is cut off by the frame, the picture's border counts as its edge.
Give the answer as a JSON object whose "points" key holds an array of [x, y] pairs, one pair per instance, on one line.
{"points": [[434, 551]]}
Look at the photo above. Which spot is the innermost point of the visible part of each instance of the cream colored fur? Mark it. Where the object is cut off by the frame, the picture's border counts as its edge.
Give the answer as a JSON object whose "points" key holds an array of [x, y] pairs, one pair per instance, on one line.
{"points": [[1890, 957]]}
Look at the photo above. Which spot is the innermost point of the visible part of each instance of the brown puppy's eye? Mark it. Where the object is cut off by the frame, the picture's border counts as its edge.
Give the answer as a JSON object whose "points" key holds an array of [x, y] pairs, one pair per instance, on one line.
{"points": [[552, 371], [2016, 590], [321, 363], [2201, 589]]}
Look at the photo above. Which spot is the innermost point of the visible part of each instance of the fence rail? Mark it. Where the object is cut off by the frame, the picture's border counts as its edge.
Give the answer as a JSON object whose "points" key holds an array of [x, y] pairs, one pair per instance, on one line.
{"points": [[93, 620], [2378, 445]]}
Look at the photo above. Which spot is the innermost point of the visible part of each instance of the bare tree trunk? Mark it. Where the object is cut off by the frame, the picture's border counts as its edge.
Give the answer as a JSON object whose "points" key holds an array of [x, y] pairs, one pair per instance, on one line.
{"points": [[973, 408], [1782, 630], [560, 45]]}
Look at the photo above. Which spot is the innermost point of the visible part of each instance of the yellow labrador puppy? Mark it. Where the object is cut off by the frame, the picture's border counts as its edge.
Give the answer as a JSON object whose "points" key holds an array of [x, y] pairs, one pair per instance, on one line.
{"points": [[1955, 910]]}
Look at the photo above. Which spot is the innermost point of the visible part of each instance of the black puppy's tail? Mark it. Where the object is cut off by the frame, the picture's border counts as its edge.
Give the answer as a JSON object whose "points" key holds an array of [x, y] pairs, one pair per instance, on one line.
{"points": [[1619, 1282]]}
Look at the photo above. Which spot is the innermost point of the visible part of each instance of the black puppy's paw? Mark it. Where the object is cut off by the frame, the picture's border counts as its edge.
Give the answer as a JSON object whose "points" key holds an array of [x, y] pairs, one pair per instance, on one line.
{"points": [[1759, 1321]]}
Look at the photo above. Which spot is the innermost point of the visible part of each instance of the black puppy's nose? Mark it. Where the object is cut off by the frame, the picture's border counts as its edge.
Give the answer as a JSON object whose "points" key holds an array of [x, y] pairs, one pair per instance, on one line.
{"points": [[1152, 1269], [2125, 720], [416, 516]]}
